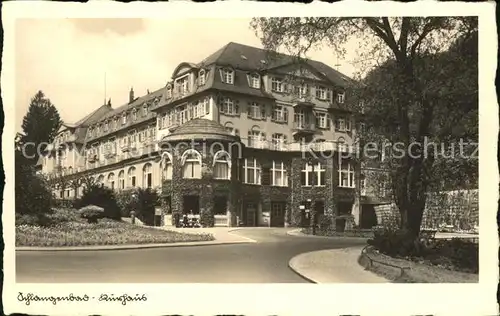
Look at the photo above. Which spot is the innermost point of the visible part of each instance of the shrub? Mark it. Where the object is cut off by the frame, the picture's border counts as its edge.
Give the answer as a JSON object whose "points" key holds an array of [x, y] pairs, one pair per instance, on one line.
{"points": [[396, 243], [99, 195], [143, 206], [92, 213], [51, 217]]}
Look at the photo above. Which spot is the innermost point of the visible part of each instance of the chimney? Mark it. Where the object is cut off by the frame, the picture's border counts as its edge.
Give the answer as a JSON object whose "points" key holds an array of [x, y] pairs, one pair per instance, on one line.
{"points": [[131, 95], [109, 103]]}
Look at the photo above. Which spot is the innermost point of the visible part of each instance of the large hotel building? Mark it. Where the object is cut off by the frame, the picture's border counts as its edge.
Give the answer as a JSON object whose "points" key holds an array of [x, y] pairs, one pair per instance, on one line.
{"points": [[241, 138]]}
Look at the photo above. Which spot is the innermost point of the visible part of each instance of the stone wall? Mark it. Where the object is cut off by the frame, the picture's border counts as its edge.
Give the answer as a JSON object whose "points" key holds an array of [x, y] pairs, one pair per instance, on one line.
{"points": [[458, 209]]}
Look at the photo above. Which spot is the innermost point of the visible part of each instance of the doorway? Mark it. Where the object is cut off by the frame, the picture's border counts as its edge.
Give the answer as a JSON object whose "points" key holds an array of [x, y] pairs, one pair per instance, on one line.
{"points": [[278, 214], [251, 214], [191, 203]]}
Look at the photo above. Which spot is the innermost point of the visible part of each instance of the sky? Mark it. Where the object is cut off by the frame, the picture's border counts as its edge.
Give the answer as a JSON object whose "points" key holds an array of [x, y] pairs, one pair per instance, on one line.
{"points": [[79, 62]]}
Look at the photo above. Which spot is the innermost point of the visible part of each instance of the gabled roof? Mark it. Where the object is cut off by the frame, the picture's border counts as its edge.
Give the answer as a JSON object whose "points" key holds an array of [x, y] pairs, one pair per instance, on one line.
{"points": [[138, 101], [246, 57]]}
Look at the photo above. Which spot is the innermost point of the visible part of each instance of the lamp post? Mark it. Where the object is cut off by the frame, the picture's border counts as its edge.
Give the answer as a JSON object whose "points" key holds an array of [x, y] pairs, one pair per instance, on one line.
{"points": [[132, 213]]}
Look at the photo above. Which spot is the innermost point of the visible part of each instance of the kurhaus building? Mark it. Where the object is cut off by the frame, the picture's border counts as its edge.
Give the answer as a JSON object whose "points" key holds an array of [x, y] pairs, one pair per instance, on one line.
{"points": [[241, 138]]}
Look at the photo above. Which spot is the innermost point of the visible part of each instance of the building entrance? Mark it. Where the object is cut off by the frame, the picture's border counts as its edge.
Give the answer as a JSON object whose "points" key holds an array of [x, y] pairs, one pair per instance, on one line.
{"points": [[278, 214]]}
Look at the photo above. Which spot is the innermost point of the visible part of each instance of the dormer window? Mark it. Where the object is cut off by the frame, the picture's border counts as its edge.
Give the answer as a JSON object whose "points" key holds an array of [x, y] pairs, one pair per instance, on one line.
{"points": [[341, 97], [182, 85], [98, 130], [106, 126], [255, 81], [124, 119], [227, 76], [169, 91], [116, 123], [201, 77], [144, 110], [134, 115]]}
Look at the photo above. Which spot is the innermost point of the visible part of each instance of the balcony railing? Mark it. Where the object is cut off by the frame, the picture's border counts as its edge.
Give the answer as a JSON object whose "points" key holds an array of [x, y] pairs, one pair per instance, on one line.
{"points": [[303, 126]]}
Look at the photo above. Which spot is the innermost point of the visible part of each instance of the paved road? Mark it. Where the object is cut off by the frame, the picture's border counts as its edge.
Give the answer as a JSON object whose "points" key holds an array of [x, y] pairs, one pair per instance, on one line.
{"points": [[263, 262]]}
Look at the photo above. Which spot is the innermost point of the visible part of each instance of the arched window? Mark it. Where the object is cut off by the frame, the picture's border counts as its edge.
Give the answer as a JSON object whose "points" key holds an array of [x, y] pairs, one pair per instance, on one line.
{"points": [[111, 181], [131, 177], [166, 167], [121, 180], [222, 165], [100, 180], [191, 164], [147, 175]]}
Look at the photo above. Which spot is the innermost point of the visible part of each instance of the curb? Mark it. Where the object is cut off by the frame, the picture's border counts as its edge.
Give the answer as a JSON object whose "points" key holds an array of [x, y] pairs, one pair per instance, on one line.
{"points": [[245, 240], [290, 265]]}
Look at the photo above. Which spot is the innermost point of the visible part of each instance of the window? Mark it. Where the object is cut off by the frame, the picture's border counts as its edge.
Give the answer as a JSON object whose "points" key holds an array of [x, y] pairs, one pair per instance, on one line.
{"points": [[124, 119], [132, 137], [201, 77], [322, 120], [111, 181], [222, 165], [255, 81], [346, 174], [131, 177], [362, 185], [121, 180], [256, 111], [279, 174], [134, 115], [169, 91], [105, 128], [227, 76], [145, 110], [229, 107], [232, 130], [252, 171], [255, 138], [182, 114], [343, 124], [278, 141], [313, 174], [191, 164], [147, 176], [116, 123], [98, 130], [340, 97], [277, 85], [182, 85], [301, 91], [280, 114], [321, 93], [166, 167]]}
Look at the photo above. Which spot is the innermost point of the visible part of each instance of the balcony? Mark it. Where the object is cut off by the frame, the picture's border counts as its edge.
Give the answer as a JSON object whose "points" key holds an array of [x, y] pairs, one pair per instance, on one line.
{"points": [[303, 128], [128, 146], [303, 102]]}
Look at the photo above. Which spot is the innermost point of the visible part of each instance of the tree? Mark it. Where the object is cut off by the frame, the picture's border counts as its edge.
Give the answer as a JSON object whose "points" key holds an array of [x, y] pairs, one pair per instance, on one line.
{"points": [[101, 196], [40, 126], [31, 191], [414, 112]]}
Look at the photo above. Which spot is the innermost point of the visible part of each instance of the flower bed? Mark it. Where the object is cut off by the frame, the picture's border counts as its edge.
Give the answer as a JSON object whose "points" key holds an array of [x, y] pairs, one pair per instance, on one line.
{"points": [[106, 232]]}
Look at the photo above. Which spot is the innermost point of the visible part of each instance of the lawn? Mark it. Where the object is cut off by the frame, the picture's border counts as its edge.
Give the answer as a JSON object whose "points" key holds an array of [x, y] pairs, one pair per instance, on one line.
{"points": [[76, 232]]}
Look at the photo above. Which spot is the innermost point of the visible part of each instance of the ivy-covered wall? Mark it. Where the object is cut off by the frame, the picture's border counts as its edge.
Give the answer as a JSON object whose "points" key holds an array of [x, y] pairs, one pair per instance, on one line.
{"points": [[238, 194]]}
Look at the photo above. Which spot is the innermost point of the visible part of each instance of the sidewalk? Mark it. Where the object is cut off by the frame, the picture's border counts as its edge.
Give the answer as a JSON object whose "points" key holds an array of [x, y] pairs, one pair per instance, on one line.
{"points": [[333, 266]]}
